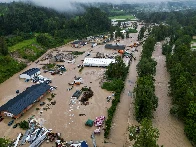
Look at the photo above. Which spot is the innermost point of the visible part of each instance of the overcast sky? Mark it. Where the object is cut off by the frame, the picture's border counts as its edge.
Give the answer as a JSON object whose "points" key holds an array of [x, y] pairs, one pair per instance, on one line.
{"points": [[62, 5]]}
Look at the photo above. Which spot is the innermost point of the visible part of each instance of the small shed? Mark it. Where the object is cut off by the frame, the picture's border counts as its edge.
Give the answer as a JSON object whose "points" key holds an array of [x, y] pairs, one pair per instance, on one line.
{"points": [[89, 123], [30, 73]]}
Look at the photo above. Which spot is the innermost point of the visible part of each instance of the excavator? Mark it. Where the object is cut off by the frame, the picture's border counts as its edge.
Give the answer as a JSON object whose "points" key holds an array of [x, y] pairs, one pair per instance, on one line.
{"points": [[121, 51], [134, 45], [124, 53]]}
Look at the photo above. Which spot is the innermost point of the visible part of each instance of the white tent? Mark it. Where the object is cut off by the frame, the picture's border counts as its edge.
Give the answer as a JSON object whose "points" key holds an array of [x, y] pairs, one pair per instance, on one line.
{"points": [[97, 62]]}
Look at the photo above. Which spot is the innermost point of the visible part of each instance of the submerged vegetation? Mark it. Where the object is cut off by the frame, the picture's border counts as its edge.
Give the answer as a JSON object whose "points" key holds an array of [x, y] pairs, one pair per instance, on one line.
{"points": [[180, 62], [145, 101], [116, 74]]}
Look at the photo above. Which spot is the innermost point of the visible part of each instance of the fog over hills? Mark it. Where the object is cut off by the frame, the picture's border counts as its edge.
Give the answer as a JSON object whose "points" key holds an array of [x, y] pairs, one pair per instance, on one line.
{"points": [[70, 5]]}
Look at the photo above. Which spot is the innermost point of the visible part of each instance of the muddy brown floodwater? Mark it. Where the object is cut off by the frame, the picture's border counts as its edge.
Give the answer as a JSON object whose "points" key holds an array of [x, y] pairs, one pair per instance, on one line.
{"points": [[124, 114], [64, 118], [171, 129]]}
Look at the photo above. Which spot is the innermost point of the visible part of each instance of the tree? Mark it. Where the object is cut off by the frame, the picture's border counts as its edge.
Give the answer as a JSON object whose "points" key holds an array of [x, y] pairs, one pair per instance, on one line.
{"points": [[117, 70], [4, 142], [146, 67], [127, 34], [119, 23], [141, 33], [145, 102], [3, 46], [147, 136], [24, 125], [190, 123], [122, 36]]}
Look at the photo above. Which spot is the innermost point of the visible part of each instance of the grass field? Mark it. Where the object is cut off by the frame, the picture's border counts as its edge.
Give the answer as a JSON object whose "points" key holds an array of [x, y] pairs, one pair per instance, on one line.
{"points": [[22, 44], [122, 17]]}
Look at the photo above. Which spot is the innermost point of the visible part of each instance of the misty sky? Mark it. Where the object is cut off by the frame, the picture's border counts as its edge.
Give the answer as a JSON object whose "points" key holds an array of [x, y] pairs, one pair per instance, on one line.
{"points": [[62, 5]]}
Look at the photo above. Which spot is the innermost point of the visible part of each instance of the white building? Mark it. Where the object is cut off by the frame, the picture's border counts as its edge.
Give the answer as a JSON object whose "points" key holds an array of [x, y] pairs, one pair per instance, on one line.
{"points": [[30, 73], [97, 62]]}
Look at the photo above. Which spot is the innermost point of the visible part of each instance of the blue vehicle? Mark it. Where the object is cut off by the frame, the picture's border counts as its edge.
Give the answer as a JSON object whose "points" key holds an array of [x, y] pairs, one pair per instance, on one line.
{"points": [[27, 80], [11, 122]]}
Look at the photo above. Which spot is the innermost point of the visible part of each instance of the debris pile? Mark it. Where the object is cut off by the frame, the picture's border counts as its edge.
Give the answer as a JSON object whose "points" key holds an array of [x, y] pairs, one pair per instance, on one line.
{"points": [[100, 55], [86, 95], [47, 56]]}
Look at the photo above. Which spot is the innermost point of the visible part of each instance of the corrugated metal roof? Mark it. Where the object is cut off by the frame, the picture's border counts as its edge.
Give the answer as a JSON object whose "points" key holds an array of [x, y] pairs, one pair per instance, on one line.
{"points": [[26, 98], [77, 93], [111, 46], [98, 61], [31, 71]]}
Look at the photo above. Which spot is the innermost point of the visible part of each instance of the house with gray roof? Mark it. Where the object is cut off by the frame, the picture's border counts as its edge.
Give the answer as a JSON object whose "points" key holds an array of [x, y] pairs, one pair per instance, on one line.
{"points": [[30, 73]]}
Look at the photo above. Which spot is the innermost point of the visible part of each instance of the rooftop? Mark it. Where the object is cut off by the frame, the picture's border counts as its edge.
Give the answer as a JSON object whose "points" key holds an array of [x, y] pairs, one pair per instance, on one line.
{"points": [[77, 93], [16, 105], [31, 71], [98, 61], [111, 46]]}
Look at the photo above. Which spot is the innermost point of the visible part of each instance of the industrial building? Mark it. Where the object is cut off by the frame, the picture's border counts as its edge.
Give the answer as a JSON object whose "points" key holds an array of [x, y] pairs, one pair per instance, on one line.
{"points": [[24, 101], [115, 47], [97, 62], [30, 73]]}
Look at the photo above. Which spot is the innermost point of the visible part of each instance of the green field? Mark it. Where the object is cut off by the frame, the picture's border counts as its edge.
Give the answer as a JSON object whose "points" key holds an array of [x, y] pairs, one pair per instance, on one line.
{"points": [[122, 17], [22, 44]]}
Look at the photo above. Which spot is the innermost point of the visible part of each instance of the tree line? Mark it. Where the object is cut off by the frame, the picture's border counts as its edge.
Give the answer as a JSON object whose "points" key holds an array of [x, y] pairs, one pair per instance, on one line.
{"points": [[145, 100], [180, 61], [22, 21], [116, 74]]}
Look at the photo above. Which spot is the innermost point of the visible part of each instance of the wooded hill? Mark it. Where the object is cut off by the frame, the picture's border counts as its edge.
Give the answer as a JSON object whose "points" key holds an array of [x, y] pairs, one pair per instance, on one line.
{"points": [[28, 31]]}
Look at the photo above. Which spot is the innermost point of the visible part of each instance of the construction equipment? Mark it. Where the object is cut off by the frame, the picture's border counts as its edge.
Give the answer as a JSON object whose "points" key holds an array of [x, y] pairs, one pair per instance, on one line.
{"points": [[135, 45], [130, 55], [130, 46], [121, 51], [77, 81]]}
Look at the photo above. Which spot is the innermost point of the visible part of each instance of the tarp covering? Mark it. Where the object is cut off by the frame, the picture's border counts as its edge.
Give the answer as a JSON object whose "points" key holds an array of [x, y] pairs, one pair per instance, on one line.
{"points": [[83, 144], [89, 122]]}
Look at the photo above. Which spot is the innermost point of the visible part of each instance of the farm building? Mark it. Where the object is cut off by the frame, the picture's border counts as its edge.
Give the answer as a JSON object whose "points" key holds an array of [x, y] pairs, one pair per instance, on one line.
{"points": [[77, 94], [97, 62], [21, 103], [30, 73], [116, 46]]}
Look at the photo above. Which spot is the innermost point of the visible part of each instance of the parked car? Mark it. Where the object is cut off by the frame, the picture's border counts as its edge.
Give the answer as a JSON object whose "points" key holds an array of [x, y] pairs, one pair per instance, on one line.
{"points": [[11, 122], [42, 103], [15, 126], [27, 80]]}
